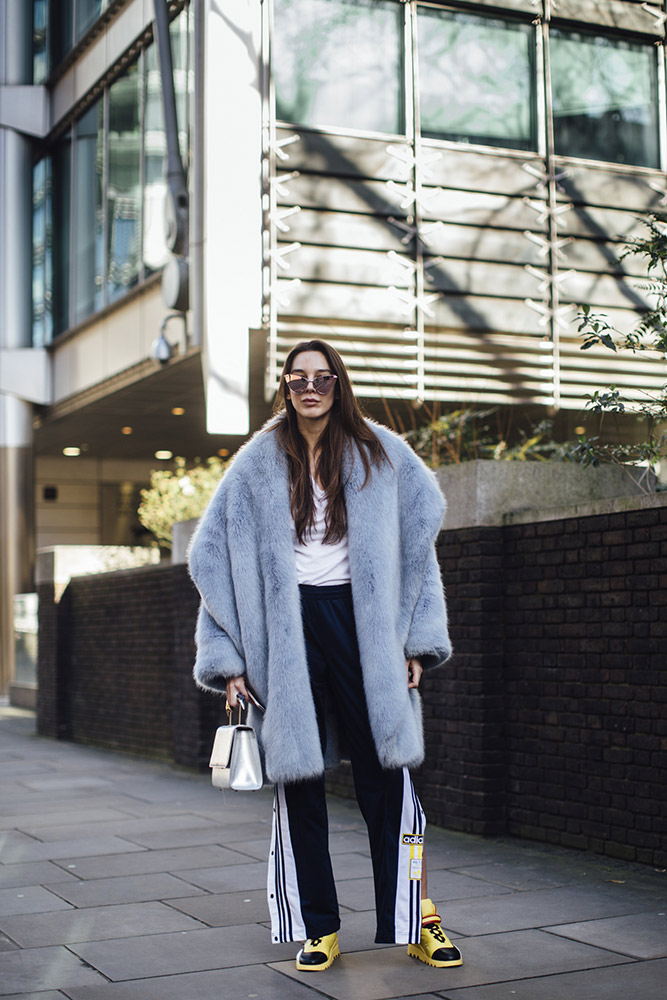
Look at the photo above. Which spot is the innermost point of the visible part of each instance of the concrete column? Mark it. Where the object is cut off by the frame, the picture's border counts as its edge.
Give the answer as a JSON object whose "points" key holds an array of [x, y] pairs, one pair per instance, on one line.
{"points": [[16, 460]]}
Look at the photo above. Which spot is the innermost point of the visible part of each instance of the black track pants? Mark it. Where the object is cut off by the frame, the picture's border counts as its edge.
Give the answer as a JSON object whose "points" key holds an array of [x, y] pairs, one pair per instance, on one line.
{"points": [[301, 890]]}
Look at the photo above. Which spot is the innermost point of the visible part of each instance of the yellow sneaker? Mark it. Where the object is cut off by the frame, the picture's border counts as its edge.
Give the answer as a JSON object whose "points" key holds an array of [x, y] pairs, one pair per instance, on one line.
{"points": [[318, 954], [435, 948]]}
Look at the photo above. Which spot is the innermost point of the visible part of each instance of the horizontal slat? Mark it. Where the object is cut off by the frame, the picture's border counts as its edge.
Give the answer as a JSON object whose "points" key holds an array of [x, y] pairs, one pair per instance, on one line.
{"points": [[618, 14], [473, 278], [346, 266], [597, 255], [367, 232], [374, 197], [475, 208], [601, 223], [524, 6], [342, 155], [379, 305], [342, 229], [492, 171], [342, 195], [604, 291], [589, 184]]}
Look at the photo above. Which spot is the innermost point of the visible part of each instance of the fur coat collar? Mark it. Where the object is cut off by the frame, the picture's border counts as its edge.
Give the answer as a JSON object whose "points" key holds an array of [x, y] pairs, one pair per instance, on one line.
{"points": [[242, 562]]}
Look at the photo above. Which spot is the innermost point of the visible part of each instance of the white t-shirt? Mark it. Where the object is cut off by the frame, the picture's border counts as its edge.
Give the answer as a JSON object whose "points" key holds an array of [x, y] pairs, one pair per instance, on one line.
{"points": [[318, 564]]}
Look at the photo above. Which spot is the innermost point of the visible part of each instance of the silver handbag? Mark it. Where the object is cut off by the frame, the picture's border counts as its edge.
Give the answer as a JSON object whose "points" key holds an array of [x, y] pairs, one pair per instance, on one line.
{"points": [[235, 762]]}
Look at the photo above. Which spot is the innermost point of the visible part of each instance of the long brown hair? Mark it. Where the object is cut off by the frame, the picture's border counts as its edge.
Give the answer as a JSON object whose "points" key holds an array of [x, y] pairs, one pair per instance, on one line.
{"points": [[346, 426]]}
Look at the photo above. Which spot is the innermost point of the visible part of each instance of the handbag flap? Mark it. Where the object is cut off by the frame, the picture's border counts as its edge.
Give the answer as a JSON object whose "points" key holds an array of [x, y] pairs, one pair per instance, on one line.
{"points": [[222, 745]]}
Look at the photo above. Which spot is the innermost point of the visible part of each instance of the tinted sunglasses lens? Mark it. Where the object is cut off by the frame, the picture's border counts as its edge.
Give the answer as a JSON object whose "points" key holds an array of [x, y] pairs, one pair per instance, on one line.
{"points": [[324, 384], [298, 385]]}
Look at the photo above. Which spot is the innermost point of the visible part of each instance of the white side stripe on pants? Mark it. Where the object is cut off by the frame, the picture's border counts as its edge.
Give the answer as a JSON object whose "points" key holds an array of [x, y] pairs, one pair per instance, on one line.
{"points": [[408, 914], [282, 885]]}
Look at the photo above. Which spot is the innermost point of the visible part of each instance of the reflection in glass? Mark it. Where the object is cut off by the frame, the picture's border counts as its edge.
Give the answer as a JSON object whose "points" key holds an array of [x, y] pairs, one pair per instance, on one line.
{"points": [[155, 251], [61, 165], [87, 12], [60, 29], [40, 68], [42, 276], [476, 79], [338, 63], [124, 184], [88, 212], [604, 98]]}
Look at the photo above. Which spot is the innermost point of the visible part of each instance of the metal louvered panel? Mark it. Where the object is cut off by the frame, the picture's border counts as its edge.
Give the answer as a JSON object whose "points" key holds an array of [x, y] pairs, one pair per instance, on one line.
{"points": [[447, 271]]}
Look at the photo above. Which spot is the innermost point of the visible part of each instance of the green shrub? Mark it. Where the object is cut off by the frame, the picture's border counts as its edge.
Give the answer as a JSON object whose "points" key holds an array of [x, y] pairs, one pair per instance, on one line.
{"points": [[178, 494]]}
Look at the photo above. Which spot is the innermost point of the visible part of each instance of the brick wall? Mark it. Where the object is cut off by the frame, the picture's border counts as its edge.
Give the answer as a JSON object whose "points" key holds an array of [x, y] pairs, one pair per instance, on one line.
{"points": [[549, 722], [120, 672], [586, 682]]}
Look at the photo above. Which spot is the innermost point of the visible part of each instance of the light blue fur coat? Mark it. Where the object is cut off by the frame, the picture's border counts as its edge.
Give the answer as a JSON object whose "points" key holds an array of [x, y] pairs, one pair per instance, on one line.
{"points": [[242, 562]]}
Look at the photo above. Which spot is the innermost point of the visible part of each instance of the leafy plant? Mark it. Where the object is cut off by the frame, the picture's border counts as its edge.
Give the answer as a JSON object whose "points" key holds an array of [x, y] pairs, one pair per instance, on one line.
{"points": [[178, 494], [467, 434], [649, 337]]}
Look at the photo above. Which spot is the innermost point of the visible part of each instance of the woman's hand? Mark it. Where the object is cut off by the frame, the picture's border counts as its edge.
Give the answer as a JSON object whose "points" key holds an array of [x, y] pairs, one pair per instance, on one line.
{"points": [[414, 669], [235, 686]]}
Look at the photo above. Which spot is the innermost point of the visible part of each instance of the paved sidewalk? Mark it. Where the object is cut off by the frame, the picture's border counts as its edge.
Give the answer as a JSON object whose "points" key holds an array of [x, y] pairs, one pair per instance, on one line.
{"points": [[125, 879]]}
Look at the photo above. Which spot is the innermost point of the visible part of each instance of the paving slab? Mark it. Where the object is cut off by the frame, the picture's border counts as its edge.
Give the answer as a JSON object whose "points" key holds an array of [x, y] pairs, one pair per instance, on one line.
{"points": [[129, 889], [67, 783], [376, 975], [443, 885], [30, 849], [95, 924], [351, 866], [116, 824], [187, 951], [36, 824], [639, 935], [542, 908], [6, 944], [30, 899], [229, 984], [515, 875], [229, 879], [339, 843], [49, 995], [177, 907], [226, 909], [34, 969], [208, 832], [35, 873], [634, 981], [145, 862], [44, 809]]}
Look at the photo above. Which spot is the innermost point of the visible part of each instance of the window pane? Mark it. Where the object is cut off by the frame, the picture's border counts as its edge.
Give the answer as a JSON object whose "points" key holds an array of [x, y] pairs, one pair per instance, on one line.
{"points": [[339, 63], [604, 98], [60, 29], [61, 203], [155, 252], [42, 276], [88, 212], [476, 79], [124, 184], [40, 69], [87, 12]]}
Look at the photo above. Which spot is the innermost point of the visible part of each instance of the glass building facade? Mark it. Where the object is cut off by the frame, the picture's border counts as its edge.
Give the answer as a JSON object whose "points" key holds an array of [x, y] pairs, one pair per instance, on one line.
{"points": [[463, 173], [471, 77], [98, 196]]}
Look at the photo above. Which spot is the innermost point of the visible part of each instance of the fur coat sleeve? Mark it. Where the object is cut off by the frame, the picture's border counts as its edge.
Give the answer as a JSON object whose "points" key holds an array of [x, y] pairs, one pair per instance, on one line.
{"points": [[242, 562]]}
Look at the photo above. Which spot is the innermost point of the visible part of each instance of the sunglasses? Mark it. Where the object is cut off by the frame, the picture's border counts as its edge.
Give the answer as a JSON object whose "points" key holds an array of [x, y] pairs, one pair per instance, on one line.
{"points": [[322, 384]]}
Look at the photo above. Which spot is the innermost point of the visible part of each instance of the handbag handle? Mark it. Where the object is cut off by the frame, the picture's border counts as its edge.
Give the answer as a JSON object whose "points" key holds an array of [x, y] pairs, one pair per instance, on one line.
{"points": [[240, 701], [240, 704]]}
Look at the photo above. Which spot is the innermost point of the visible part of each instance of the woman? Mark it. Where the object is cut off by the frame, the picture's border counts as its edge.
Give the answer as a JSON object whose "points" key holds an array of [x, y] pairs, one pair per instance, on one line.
{"points": [[322, 595]]}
